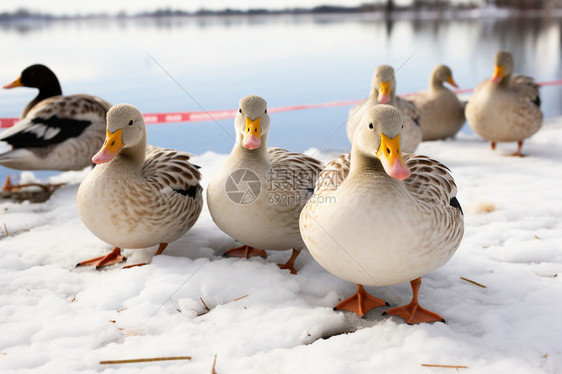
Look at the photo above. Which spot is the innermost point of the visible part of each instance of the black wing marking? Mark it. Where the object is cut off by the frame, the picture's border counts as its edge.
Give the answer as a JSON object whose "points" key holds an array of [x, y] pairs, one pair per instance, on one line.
{"points": [[537, 101], [455, 203], [191, 191], [42, 132]]}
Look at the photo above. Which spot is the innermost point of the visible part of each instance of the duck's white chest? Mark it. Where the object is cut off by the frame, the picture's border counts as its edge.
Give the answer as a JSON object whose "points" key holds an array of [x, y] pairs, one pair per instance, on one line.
{"points": [[106, 207], [369, 238], [246, 204]]}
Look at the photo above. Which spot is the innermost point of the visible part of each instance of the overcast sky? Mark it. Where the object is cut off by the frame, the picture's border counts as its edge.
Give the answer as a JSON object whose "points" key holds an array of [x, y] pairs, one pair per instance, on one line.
{"points": [[134, 6]]}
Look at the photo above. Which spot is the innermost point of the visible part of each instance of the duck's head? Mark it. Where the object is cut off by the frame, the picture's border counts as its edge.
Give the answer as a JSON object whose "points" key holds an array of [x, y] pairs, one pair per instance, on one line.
{"points": [[252, 122], [36, 76], [378, 135], [503, 66], [442, 74], [125, 129], [383, 84]]}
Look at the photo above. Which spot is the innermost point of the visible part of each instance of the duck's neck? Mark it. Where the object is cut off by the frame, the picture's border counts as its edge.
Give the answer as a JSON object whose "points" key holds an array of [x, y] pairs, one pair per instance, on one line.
{"points": [[49, 90], [435, 84], [505, 82], [132, 158], [362, 165], [259, 154]]}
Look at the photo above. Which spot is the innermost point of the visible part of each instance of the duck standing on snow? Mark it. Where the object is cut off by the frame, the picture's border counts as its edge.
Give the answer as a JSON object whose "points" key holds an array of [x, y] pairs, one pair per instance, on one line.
{"points": [[258, 194], [441, 112], [137, 196], [506, 107], [383, 91], [55, 132], [378, 219]]}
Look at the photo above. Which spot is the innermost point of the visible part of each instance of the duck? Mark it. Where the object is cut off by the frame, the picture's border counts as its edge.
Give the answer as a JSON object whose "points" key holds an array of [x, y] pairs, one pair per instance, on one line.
{"points": [[257, 195], [505, 107], [138, 195], [383, 91], [392, 218], [441, 111], [54, 132]]}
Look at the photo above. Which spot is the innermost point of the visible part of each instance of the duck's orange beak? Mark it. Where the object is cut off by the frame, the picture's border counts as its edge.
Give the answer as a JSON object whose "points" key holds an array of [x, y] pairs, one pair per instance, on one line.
{"points": [[384, 92], [112, 145], [16, 83], [498, 73], [391, 158], [252, 134], [452, 82]]}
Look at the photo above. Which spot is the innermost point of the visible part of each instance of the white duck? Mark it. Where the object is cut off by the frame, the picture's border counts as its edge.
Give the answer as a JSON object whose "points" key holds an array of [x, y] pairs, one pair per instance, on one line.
{"points": [[390, 220], [505, 108], [137, 196], [258, 194], [441, 111], [383, 91], [54, 132]]}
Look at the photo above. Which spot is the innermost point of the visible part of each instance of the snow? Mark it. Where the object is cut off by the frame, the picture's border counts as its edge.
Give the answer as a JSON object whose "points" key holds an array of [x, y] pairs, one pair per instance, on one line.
{"points": [[55, 317]]}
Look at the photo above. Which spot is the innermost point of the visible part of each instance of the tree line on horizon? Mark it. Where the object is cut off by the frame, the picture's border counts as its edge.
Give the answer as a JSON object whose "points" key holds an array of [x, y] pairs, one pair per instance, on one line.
{"points": [[377, 6]]}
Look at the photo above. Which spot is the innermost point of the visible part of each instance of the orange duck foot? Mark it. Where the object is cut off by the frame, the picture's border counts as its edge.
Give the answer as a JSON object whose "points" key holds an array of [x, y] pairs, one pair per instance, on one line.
{"points": [[518, 152], [111, 258], [245, 251], [290, 264], [414, 313], [360, 303]]}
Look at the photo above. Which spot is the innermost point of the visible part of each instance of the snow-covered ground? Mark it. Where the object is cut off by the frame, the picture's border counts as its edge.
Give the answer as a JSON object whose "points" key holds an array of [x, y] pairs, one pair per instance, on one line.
{"points": [[56, 318]]}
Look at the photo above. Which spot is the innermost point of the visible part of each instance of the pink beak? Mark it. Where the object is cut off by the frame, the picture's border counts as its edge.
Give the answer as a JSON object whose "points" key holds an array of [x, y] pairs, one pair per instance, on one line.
{"points": [[397, 170], [384, 98], [251, 142], [103, 156]]}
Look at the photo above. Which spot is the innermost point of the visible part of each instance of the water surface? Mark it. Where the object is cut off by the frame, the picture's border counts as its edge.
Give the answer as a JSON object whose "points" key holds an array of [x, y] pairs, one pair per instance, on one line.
{"points": [[185, 64]]}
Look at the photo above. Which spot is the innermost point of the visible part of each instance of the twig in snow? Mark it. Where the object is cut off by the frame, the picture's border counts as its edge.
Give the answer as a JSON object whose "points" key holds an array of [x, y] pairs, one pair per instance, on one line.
{"points": [[213, 371], [473, 282], [241, 297], [205, 305], [445, 366], [137, 360], [6, 229]]}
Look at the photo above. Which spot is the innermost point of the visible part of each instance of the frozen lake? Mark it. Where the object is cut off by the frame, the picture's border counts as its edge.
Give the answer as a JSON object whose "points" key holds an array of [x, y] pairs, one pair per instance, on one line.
{"points": [[288, 60]]}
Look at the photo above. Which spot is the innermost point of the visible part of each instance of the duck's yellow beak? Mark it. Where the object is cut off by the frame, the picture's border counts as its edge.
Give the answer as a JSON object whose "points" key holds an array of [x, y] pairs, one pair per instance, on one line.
{"points": [[452, 82], [498, 73], [384, 92], [16, 83], [112, 145], [391, 158], [252, 133]]}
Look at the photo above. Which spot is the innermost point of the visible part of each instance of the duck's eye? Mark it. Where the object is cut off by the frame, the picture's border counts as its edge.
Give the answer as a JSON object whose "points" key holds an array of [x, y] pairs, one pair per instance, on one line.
{"points": [[240, 110], [402, 126], [266, 110], [248, 129], [131, 123], [371, 125]]}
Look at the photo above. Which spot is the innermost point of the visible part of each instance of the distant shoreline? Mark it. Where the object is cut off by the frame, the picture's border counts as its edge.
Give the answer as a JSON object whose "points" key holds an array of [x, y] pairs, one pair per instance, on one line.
{"points": [[378, 11]]}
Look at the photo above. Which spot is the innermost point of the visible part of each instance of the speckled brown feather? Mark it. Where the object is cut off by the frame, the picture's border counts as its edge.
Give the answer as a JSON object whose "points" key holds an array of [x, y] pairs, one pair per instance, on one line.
{"points": [[303, 169], [430, 181]]}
